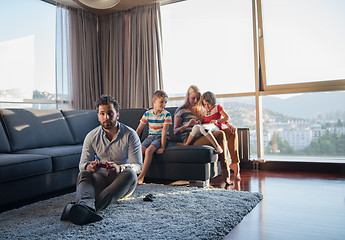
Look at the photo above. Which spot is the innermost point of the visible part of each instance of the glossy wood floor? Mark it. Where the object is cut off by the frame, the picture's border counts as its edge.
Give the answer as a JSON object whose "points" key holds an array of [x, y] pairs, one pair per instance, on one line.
{"points": [[295, 206]]}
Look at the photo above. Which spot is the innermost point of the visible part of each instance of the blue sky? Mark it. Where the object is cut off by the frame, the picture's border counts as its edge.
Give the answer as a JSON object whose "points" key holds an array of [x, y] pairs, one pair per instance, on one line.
{"points": [[27, 39]]}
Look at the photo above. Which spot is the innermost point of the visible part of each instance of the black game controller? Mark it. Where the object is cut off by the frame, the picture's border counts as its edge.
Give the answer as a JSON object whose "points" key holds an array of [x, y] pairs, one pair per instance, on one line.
{"points": [[103, 165]]}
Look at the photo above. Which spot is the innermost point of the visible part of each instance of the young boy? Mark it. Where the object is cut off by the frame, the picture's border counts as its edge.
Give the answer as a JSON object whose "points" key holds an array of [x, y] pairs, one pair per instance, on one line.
{"points": [[159, 120]]}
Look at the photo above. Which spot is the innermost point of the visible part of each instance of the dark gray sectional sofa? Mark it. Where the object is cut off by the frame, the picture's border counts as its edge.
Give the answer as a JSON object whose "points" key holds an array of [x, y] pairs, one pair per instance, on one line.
{"points": [[196, 164], [40, 152]]}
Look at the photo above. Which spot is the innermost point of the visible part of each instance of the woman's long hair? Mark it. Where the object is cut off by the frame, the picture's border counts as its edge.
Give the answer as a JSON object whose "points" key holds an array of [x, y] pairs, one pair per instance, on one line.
{"points": [[198, 107]]}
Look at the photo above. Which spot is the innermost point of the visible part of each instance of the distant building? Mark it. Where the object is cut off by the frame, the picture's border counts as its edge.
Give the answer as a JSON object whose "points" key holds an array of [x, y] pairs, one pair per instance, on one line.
{"points": [[298, 139], [298, 134]]}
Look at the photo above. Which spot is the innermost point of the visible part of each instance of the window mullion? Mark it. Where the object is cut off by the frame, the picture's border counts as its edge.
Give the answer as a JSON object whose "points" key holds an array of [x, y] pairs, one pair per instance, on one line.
{"points": [[259, 74]]}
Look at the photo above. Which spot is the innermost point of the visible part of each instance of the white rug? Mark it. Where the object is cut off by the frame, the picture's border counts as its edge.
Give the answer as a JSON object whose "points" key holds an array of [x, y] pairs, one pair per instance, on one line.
{"points": [[175, 213]]}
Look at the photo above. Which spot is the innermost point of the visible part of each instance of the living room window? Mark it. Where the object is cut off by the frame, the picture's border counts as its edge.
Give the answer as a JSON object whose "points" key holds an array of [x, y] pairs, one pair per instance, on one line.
{"points": [[208, 44], [251, 53], [299, 59], [303, 41], [27, 54], [300, 46], [304, 127]]}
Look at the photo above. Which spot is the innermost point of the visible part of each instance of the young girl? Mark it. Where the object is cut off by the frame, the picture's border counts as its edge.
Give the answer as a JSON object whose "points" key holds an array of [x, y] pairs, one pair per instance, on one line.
{"points": [[216, 118], [217, 115]]}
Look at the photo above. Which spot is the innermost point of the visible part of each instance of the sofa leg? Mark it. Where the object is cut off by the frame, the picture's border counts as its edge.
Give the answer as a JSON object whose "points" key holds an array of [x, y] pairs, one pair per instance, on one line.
{"points": [[201, 184]]}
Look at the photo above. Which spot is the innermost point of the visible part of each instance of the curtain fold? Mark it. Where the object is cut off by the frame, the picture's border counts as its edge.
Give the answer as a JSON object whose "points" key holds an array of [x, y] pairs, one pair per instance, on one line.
{"points": [[131, 55], [113, 33], [118, 54], [86, 76]]}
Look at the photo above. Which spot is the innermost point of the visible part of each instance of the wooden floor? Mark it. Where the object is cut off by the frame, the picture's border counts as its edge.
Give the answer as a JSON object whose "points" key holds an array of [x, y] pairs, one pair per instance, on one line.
{"points": [[295, 206]]}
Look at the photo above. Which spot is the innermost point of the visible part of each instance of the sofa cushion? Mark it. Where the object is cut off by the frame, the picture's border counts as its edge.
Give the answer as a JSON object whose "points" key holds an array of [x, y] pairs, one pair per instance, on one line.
{"points": [[172, 137], [18, 166], [63, 157], [80, 122], [187, 154], [131, 118], [5, 145], [32, 128]]}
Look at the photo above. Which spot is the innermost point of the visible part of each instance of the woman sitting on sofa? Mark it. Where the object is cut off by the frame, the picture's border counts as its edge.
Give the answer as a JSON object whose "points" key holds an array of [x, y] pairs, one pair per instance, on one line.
{"points": [[189, 114]]}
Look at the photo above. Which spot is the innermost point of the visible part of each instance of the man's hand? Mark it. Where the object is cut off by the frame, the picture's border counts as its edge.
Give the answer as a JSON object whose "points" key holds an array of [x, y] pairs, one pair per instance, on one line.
{"points": [[160, 151], [113, 168], [92, 167]]}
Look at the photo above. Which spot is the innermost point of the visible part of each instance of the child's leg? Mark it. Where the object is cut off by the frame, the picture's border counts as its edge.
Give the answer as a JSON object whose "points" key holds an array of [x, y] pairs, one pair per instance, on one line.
{"points": [[236, 168], [214, 142], [195, 131], [147, 162], [208, 134], [189, 139], [232, 140]]}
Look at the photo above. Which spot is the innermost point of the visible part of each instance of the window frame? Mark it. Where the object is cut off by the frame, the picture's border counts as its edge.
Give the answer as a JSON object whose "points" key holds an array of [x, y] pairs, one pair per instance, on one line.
{"points": [[261, 86], [266, 89]]}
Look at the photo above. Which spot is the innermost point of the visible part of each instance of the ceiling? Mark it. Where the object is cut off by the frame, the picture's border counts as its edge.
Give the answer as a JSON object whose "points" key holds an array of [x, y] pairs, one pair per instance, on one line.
{"points": [[122, 5]]}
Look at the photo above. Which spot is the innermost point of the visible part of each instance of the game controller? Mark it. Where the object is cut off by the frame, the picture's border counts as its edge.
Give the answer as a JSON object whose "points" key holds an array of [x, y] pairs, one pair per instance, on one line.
{"points": [[103, 165]]}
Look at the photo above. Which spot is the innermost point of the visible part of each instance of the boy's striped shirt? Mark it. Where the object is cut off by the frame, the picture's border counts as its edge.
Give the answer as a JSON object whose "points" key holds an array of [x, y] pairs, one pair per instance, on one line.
{"points": [[156, 122]]}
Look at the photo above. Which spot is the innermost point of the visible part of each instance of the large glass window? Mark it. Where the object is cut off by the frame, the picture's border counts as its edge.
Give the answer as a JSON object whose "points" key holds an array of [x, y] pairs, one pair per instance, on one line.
{"points": [[208, 44], [27, 53], [305, 127], [242, 115], [304, 40]]}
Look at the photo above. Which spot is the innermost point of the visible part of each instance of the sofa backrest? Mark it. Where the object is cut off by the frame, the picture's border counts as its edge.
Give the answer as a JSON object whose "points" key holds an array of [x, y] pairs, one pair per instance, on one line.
{"points": [[173, 138], [32, 128], [80, 122], [131, 117], [4, 143]]}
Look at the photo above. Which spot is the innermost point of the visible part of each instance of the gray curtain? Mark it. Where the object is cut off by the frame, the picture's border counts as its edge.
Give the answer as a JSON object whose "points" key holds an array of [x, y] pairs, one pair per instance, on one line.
{"points": [[131, 55], [117, 54], [77, 59], [114, 35], [85, 59]]}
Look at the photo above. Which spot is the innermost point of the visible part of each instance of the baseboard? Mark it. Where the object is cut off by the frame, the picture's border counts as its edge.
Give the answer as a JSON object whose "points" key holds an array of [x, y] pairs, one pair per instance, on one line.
{"points": [[338, 168]]}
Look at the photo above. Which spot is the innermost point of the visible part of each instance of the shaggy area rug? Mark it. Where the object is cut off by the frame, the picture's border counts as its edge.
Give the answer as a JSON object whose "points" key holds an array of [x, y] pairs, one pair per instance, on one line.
{"points": [[175, 213]]}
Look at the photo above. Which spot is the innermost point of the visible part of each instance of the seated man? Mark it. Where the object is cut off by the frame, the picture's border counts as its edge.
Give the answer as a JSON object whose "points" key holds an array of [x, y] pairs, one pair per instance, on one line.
{"points": [[110, 161]]}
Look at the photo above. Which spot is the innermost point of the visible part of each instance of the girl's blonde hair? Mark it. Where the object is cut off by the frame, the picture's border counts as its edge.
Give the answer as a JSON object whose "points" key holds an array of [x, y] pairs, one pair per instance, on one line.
{"points": [[193, 89]]}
